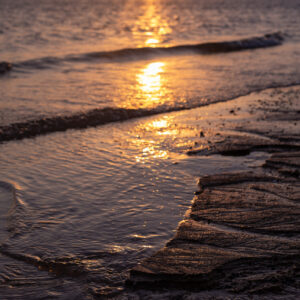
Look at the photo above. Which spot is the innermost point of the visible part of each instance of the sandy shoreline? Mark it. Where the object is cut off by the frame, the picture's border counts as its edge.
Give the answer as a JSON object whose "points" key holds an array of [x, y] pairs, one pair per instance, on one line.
{"points": [[241, 235], [240, 239]]}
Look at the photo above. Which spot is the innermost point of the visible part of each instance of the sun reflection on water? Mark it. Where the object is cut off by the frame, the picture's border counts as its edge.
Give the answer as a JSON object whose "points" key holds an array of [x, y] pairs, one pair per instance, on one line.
{"points": [[153, 135], [149, 84], [152, 42], [150, 90], [150, 79], [152, 28], [149, 150], [159, 124], [164, 127]]}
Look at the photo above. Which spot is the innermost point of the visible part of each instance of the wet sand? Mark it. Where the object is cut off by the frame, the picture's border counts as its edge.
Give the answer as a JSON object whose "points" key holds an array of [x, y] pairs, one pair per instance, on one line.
{"points": [[241, 236]]}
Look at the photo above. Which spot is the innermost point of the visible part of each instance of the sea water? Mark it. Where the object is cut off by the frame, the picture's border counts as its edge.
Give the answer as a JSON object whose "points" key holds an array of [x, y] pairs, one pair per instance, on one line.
{"points": [[80, 207]]}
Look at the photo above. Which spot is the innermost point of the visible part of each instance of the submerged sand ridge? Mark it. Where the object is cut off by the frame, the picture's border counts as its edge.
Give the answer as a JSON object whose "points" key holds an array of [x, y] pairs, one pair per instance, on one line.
{"points": [[242, 233]]}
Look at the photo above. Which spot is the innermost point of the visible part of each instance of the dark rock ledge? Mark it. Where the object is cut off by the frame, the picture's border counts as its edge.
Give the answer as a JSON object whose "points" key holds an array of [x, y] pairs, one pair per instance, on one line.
{"points": [[242, 234]]}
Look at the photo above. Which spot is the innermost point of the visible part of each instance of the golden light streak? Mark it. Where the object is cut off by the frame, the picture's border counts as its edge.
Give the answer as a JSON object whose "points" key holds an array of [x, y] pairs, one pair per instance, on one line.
{"points": [[149, 83], [152, 28], [149, 146], [151, 42]]}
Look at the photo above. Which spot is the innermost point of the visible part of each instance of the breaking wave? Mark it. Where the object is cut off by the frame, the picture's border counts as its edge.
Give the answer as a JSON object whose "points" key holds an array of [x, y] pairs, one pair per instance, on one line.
{"points": [[91, 118], [268, 40]]}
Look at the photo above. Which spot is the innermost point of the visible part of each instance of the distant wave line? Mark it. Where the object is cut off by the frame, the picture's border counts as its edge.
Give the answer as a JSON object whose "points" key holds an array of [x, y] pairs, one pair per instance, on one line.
{"points": [[267, 40]]}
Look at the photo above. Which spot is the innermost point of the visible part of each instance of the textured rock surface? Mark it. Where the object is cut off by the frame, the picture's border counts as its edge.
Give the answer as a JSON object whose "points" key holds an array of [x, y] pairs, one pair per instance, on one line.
{"points": [[242, 233]]}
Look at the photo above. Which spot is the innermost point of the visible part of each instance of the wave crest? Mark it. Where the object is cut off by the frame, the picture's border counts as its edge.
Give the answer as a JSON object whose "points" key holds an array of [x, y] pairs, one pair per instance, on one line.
{"points": [[91, 118], [268, 40]]}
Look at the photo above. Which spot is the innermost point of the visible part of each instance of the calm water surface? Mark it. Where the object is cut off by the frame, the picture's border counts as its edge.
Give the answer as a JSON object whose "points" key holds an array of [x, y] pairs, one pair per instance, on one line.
{"points": [[56, 46]]}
